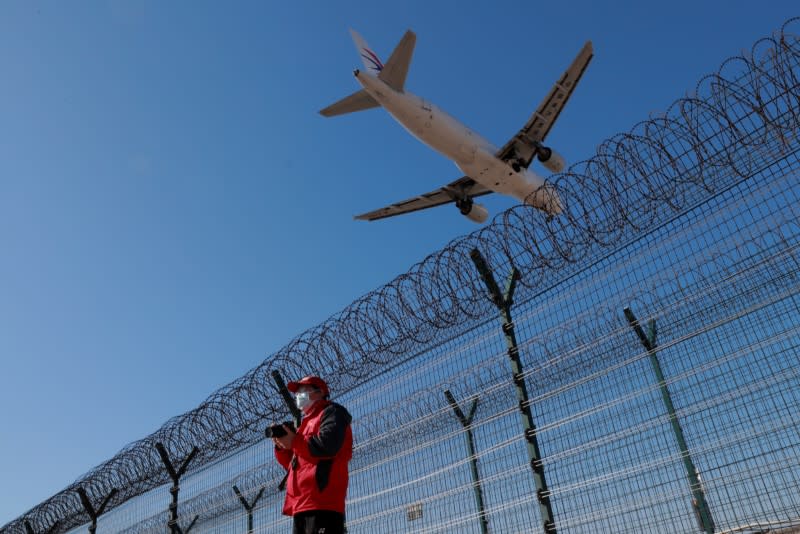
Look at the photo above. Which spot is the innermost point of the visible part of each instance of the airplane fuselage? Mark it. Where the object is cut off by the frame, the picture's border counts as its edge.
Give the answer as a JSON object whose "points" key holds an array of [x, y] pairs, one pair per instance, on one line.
{"points": [[471, 153]]}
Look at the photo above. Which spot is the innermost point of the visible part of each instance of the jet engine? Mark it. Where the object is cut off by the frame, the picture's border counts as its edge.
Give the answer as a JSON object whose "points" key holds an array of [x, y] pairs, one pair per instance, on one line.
{"points": [[551, 159], [474, 212]]}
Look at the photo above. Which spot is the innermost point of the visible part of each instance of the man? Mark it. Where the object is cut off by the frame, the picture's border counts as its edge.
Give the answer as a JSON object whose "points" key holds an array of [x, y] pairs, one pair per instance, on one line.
{"points": [[316, 458]]}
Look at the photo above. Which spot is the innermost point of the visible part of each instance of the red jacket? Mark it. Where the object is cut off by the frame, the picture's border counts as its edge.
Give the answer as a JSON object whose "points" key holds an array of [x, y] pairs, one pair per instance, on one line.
{"points": [[317, 461]]}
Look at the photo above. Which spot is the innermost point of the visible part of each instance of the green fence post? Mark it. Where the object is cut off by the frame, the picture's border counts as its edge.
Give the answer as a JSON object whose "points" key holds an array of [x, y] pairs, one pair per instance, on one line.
{"points": [[504, 301], [249, 506], [699, 502], [94, 514], [175, 475], [466, 421]]}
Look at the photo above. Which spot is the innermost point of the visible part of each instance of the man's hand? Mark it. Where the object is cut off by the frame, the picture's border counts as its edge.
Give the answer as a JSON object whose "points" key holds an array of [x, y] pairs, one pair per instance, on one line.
{"points": [[285, 442]]}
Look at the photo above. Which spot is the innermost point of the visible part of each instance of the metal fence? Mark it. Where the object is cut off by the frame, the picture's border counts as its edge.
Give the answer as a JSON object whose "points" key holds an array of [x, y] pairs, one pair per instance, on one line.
{"points": [[628, 366]]}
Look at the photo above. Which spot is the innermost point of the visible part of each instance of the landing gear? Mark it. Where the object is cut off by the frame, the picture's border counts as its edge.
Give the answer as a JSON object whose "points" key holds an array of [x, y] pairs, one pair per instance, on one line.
{"points": [[515, 161], [472, 211], [464, 205]]}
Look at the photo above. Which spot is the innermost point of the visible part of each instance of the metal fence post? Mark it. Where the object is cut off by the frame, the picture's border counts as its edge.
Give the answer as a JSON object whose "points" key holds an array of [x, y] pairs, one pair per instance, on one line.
{"points": [[175, 475], [94, 514], [248, 506], [699, 502], [504, 301], [466, 421]]}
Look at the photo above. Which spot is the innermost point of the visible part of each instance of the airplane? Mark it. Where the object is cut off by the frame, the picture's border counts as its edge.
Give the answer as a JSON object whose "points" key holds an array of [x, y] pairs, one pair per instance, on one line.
{"points": [[486, 168]]}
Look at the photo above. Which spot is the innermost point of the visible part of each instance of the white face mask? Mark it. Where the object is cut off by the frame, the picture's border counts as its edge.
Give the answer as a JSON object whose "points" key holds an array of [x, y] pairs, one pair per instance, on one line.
{"points": [[303, 400]]}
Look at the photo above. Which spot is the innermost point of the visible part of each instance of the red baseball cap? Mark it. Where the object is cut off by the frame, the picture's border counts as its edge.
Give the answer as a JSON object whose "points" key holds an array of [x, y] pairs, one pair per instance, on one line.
{"points": [[313, 381]]}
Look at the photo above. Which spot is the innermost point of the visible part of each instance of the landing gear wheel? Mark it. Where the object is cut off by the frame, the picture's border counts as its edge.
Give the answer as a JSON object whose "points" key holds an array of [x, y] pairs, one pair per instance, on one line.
{"points": [[464, 205], [516, 166]]}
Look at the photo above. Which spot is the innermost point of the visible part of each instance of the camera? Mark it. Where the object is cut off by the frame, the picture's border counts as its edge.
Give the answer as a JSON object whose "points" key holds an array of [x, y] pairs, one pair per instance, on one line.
{"points": [[277, 431]]}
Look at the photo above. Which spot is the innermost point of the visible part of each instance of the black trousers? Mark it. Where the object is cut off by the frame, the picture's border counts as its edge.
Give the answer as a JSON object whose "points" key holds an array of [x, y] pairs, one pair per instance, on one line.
{"points": [[318, 522]]}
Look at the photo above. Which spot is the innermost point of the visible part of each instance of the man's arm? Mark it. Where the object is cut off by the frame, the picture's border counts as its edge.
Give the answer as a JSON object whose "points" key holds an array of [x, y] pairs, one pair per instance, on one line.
{"points": [[284, 457], [332, 431]]}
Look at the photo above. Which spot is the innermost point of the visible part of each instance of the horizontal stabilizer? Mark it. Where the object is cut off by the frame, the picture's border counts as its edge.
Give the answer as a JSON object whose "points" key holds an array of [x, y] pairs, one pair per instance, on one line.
{"points": [[358, 101], [396, 68]]}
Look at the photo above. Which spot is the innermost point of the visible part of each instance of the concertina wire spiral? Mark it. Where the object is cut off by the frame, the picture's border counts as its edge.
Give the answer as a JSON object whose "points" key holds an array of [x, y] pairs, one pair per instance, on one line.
{"points": [[738, 119]]}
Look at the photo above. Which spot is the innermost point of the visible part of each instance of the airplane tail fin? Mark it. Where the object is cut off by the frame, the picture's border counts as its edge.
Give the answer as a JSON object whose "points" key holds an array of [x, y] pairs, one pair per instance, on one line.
{"points": [[370, 59], [396, 68], [393, 73], [360, 100]]}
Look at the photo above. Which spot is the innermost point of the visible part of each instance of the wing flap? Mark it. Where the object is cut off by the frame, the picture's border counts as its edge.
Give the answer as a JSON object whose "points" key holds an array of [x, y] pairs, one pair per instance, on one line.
{"points": [[461, 188]]}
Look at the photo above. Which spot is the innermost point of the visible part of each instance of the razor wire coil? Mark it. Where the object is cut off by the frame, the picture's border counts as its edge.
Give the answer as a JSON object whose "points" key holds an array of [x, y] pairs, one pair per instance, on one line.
{"points": [[739, 119]]}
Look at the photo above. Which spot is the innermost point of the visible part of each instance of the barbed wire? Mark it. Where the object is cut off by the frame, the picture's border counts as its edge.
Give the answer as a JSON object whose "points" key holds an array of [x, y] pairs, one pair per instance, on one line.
{"points": [[736, 121], [423, 421]]}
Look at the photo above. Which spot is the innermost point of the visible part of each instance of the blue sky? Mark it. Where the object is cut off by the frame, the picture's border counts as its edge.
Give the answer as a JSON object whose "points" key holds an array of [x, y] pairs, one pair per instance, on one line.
{"points": [[173, 210]]}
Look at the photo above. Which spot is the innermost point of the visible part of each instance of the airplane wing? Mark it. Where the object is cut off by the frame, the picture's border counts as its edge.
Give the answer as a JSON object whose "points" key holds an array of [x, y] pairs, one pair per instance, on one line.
{"points": [[461, 188], [523, 146]]}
